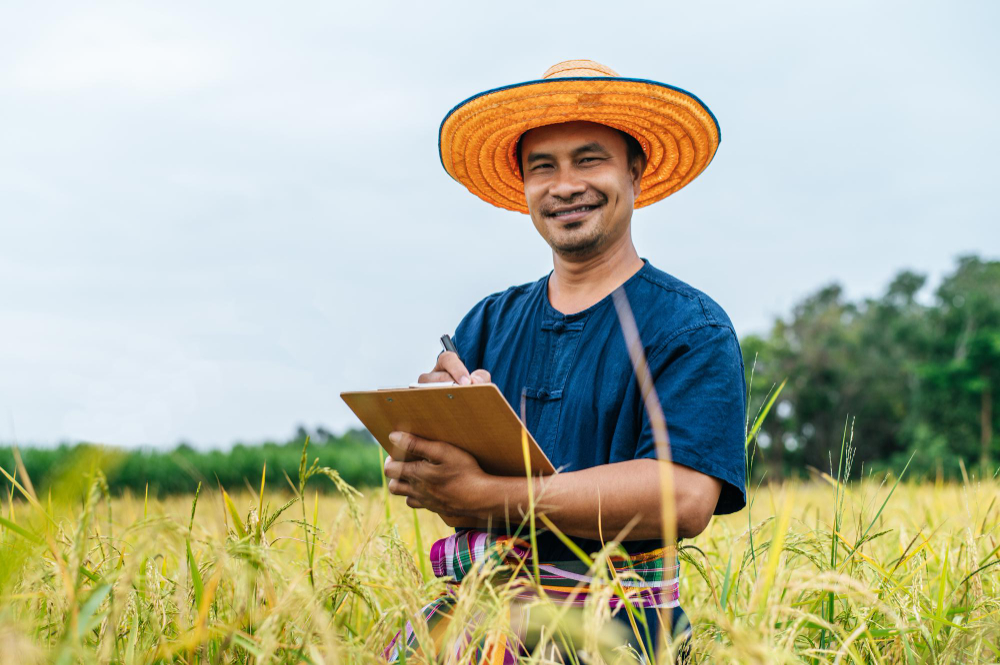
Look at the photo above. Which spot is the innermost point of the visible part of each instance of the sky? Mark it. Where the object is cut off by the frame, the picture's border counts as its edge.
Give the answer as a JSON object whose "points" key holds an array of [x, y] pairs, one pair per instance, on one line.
{"points": [[215, 217]]}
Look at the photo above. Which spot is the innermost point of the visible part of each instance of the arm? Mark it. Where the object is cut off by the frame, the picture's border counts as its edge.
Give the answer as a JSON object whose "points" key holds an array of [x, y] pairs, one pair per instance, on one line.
{"points": [[590, 503], [604, 500]]}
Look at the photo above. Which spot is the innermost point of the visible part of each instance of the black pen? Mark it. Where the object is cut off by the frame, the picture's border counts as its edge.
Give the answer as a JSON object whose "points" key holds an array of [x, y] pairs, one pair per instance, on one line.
{"points": [[448, 344]]}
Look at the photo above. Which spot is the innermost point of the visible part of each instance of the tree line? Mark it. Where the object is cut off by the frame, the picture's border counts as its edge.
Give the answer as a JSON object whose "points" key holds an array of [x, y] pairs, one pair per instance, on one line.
{"points": [[910, 374], [67, 468]]}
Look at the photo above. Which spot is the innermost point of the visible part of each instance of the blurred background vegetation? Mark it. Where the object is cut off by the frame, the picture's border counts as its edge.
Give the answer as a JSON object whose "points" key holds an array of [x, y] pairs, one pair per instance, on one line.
{"points": [[355, 455], [914, 373], [917, 374]]}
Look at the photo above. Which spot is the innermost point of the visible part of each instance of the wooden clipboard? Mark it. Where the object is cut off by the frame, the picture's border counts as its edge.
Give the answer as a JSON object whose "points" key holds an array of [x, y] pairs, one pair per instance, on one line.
{"points": [[476, 418]]}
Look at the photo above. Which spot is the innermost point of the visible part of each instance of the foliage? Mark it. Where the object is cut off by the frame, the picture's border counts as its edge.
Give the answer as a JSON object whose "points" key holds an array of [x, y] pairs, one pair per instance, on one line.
{"points": [[920, 380], [354, 456]]}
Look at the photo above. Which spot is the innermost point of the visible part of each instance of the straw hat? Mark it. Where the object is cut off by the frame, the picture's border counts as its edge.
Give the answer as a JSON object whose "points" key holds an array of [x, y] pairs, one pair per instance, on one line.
{"points": [[478, 138]]}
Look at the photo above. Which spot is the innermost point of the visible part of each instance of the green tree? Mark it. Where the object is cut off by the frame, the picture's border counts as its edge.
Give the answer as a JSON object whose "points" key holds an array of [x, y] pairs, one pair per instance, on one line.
{"points": [[914, 379], [959, 380]]}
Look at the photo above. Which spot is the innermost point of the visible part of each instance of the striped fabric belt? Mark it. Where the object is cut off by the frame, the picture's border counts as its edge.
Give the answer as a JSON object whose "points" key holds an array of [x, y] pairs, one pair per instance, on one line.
{"points": [[648, 580]]}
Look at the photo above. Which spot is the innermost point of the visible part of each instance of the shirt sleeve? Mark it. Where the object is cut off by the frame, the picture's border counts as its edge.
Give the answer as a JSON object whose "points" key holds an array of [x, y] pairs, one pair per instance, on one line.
{"points": [[700, 382]]}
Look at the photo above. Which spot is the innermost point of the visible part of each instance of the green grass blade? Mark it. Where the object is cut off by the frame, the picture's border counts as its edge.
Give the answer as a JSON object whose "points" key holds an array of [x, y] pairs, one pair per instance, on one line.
{"points": [[196, 583], [775, 548], [861, 540], [260, 509], [385, 485], [421, 552], [531, 503], [88, 619], [235, 514], [759, 420], [21, 531], [194, 505], [724, 600], [566, 540]]}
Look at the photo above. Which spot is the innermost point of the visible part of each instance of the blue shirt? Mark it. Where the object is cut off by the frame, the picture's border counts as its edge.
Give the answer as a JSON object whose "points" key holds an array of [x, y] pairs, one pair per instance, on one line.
{"points": [[582, 402]]}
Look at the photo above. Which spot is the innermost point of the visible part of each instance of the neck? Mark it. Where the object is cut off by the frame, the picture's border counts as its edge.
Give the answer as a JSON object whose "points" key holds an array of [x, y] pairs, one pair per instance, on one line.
{"points": [[575, 285]]}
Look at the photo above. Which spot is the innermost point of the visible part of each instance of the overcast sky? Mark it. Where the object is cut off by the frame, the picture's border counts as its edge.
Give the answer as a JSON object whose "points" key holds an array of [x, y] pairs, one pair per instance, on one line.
{"points": [[215, 217]]}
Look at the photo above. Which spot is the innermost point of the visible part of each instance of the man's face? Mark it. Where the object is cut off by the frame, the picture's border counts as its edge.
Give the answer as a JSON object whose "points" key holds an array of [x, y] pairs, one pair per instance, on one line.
{"points": [[579, 185]]}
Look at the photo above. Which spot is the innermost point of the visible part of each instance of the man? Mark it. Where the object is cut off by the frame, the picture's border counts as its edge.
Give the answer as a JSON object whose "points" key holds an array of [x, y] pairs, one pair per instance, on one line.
{"points": [[578, 150]]}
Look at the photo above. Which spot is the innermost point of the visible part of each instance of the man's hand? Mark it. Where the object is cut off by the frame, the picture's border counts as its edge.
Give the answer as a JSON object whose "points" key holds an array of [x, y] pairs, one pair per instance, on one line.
{"points": [[449, 367], [598, 502], [439, 477]]}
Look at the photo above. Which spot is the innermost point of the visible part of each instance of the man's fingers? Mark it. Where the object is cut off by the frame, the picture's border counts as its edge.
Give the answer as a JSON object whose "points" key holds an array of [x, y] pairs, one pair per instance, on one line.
{"points": [[452, 364], [408, 471], [400, 487], [435, 377], [414, 446], [478, 376], [393, 468], [449, 367]]}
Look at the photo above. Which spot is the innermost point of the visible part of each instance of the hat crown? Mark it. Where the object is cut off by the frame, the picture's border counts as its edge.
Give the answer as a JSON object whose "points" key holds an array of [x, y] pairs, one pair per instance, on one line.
{"points": [[577, 68]]}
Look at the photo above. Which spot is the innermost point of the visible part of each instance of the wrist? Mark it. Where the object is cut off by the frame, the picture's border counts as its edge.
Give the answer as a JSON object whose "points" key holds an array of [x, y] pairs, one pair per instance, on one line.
{"points": [[493, 496]]}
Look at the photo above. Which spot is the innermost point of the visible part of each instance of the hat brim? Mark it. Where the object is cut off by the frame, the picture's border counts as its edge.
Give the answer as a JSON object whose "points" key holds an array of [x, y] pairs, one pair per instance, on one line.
{"points": [[478, 138]]}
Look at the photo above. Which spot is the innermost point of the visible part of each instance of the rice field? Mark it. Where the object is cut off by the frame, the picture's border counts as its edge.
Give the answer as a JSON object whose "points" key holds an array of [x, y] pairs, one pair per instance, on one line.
{"points": [[866, 571]]}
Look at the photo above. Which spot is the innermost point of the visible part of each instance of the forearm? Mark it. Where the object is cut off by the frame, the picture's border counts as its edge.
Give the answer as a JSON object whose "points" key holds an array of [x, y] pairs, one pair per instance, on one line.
{"points": [[602, 501]]}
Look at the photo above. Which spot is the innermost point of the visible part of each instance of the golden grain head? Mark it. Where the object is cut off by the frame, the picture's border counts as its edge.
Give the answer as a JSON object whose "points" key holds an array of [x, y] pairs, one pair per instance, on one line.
{"points": [[270, 579]]}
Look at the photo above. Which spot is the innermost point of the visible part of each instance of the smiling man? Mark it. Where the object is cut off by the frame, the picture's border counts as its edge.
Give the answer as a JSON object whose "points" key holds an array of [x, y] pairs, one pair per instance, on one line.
{"points": [[578, 151]]}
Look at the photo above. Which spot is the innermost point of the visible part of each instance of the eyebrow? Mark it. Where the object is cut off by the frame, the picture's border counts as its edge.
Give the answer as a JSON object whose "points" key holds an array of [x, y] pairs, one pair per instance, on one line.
{"points": [[593, 146]]}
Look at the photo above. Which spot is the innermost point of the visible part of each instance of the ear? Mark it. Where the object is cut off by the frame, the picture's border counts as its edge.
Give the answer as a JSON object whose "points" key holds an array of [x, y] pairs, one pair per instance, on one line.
{"points": [[636, 169]]}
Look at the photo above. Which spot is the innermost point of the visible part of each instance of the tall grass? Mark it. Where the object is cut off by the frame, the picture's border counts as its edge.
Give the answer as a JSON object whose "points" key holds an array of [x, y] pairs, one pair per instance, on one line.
{"points": [[830, 571]]}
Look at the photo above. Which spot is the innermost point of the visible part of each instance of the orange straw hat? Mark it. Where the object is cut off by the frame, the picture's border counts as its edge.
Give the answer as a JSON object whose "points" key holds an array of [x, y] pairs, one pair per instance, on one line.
{"points": [[478, 138]]}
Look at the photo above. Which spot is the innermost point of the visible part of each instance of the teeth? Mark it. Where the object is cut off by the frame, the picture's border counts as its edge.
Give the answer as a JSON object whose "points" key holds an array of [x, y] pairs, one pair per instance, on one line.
{"points": [[574, 211]]}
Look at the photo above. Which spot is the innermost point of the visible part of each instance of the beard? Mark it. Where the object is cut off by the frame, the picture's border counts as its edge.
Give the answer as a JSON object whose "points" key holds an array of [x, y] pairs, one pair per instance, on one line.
{"points": [[578, 243], [578, 239]]}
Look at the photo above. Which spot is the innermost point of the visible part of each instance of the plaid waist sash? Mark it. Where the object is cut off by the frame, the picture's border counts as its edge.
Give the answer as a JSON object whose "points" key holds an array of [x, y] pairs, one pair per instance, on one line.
{"points": [[648, 580]]}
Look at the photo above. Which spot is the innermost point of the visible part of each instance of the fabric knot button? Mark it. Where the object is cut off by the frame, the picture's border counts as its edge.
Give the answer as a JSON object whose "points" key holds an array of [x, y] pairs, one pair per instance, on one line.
{"points": [[558, 326], [543, 393]]}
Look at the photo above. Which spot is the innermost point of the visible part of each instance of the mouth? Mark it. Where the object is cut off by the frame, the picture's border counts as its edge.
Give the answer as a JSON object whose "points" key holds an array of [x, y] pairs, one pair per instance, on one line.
{"points": [[572, 213]]}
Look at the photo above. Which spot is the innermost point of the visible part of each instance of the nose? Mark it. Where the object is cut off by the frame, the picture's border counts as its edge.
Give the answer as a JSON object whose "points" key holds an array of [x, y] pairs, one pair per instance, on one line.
{"points": [[566, 184]]}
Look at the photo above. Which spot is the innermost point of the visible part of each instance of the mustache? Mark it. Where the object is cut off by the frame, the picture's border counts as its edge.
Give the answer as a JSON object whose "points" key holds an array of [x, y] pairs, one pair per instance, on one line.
{"points": [[594, 199]]}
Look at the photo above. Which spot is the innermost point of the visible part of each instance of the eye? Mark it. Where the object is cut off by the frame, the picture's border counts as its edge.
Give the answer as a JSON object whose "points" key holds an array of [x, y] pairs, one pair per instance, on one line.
{"points": [[590, 159], [538, 167]]}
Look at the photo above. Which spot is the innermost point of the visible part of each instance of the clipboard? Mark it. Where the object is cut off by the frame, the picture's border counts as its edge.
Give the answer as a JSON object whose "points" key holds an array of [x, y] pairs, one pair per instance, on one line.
{"points": [[476, 418]]}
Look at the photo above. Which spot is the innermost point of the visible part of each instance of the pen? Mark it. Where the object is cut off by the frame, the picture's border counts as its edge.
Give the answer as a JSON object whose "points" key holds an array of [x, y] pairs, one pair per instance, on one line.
{"points": [[448, 344]]}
